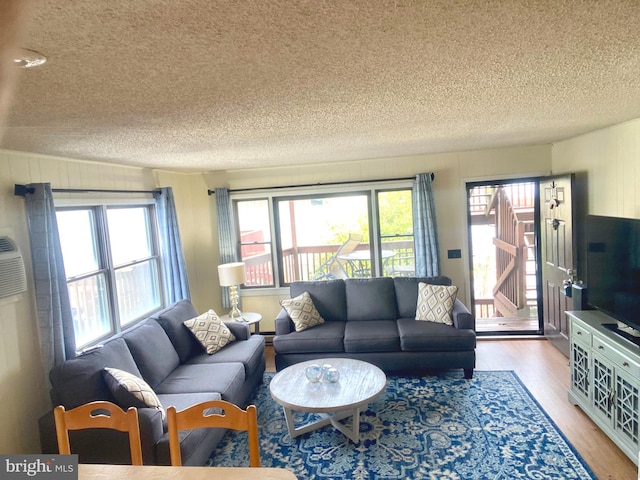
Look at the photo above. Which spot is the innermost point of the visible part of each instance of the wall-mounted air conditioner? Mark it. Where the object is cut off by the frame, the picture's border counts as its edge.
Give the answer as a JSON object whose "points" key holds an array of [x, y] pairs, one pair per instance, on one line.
{"points": [[12, 275]]}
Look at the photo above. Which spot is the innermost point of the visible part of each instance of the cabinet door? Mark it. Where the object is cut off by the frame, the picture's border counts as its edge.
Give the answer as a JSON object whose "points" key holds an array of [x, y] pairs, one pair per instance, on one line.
{"points": [[603, 387], [626, 408], [580, 370]]}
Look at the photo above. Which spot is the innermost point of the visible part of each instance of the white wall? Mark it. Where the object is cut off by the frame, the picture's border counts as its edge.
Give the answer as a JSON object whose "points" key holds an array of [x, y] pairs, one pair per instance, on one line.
{"points": [[196, 217], [610, 159]]}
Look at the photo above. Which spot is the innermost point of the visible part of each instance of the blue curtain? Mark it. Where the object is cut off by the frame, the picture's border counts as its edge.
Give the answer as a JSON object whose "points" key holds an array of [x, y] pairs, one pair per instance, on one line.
{"points": [[174, 271], [424, 227], [227, 239], [57, 337]]}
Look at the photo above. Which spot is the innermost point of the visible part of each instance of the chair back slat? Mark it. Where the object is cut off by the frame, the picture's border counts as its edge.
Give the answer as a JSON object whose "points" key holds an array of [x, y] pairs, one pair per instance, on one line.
{"points": [[199, 416], [98, 415]]}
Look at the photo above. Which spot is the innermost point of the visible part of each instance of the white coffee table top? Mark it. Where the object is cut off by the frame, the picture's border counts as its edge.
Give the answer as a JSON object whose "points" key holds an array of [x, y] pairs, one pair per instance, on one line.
{"points": [[359, 383]]}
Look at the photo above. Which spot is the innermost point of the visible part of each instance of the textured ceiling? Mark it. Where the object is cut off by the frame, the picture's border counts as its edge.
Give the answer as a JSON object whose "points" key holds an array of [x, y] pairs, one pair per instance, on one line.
{"points": [[226, 84]]}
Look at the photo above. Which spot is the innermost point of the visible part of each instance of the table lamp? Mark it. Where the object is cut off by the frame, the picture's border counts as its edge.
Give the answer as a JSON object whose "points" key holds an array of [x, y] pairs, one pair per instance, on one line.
{"points": [[231, 275]]}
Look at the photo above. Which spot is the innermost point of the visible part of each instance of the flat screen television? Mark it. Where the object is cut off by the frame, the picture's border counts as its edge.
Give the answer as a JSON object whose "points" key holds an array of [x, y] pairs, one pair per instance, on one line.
{"points": [[613, 270]]}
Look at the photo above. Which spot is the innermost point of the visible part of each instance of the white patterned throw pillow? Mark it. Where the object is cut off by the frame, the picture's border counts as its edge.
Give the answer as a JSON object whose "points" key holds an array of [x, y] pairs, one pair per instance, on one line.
{"points": [[302, 311], [210, 331], [435, 303], [130, 390]]}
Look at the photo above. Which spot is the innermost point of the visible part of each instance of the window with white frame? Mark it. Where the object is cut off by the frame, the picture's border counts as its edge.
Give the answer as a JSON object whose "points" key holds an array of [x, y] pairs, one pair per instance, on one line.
{"points": [[112, 266], [255, 241], [318, 236]]}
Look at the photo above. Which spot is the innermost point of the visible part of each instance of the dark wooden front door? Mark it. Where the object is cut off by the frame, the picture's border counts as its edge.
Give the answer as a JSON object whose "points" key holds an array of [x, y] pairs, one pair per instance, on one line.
{"points": [[558, 258]]}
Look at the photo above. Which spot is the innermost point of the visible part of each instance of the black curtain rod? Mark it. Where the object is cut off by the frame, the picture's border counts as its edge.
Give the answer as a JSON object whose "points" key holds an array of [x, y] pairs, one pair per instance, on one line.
{"points": [[351, 182], [22, 190]]}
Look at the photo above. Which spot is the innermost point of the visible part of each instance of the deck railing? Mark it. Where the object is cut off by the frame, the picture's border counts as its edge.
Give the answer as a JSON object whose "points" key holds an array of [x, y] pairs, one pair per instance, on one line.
{"points": [[307, 263], [521, 196], [484, 308]]}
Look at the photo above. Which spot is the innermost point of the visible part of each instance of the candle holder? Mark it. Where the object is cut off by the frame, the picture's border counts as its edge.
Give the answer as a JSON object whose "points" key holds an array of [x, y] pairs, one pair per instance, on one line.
{"points": [[314, 373]]}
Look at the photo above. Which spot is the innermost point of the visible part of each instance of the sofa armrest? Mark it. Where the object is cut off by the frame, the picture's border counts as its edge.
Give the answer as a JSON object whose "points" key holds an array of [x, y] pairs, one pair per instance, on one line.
{"points": [[240, 330], [283, 323], [48, 439], [462, 318], [100, 446]]}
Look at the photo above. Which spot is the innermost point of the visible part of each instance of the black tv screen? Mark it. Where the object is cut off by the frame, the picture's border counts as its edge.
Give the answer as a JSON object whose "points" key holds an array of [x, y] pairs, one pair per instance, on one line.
{"points": [[613, 267]]}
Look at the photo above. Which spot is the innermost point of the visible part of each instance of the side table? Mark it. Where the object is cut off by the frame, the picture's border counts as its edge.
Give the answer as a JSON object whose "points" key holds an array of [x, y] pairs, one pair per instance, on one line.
{"points": [[248, 318]]}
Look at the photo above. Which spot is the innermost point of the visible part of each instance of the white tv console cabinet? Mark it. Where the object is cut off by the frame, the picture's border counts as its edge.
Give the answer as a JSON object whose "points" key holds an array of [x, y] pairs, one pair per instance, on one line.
{"points": [[605, 378]]}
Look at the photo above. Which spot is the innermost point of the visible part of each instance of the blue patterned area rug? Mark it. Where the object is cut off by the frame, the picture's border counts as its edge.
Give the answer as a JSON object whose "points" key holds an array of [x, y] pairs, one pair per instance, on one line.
{"points": [[431, 427]]}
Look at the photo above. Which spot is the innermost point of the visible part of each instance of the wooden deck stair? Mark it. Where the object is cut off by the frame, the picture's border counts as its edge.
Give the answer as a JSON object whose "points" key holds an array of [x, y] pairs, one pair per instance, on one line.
{"points": [[510, 209]]}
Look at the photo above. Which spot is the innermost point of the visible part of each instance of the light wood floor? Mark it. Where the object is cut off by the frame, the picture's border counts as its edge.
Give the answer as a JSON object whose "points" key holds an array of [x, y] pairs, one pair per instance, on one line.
{"points": [[545, 372]]}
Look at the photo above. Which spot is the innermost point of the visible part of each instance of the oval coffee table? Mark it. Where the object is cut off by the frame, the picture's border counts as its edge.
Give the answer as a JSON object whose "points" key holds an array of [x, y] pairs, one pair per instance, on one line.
{"points": [[359, 384]]}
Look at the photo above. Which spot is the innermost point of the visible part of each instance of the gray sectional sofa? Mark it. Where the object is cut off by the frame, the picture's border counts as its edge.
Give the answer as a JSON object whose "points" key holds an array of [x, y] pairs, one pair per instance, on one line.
{"points": [[164, 353], [373, 319]]}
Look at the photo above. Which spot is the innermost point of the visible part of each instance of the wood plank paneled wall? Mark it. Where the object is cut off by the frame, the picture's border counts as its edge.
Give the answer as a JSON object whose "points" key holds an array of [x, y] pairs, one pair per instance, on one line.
{"points": [[24, 390]]}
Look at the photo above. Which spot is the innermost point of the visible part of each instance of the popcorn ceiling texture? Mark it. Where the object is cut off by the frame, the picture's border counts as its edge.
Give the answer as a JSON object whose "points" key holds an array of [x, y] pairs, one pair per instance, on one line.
{"points": [[226, 84]]}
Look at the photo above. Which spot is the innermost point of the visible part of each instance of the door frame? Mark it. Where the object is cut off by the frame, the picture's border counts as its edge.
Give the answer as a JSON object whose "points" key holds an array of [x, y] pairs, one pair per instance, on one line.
{"points": [[535, 180]]}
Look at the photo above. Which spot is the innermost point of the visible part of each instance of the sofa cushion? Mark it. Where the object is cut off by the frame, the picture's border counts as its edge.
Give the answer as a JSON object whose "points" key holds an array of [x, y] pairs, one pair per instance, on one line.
{"points": [[302, 311], [190, 440], [328, 297], [131, 391], [185, 400], [370, 299], [79, 380], [171, 320], [327, 337], [435, 303], [371, 336], [152, 350], [225, 378], [210, 331], [419, 336], [406, 289], [249, 352]]}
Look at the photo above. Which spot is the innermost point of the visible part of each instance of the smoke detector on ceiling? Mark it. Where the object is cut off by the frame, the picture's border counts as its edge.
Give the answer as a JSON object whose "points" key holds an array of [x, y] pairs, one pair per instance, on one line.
{"points": [[26, 58]]}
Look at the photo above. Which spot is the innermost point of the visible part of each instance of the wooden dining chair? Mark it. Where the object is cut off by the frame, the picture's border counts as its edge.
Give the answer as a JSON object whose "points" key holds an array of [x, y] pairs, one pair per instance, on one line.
{"points": [[98, 414], [198, 416]]}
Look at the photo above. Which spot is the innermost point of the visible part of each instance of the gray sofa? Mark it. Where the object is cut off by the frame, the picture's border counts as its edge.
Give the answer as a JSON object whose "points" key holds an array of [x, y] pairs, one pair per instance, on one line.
{"points": [[373, 319], [163, 352]]}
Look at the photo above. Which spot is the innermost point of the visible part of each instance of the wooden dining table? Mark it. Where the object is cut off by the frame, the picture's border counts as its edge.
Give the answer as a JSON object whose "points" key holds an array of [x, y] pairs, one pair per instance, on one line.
{"points": [[155, 472]]}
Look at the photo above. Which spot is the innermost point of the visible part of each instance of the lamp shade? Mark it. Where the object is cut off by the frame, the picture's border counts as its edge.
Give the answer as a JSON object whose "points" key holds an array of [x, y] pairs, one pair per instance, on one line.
{"points": [[231, 274]]}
